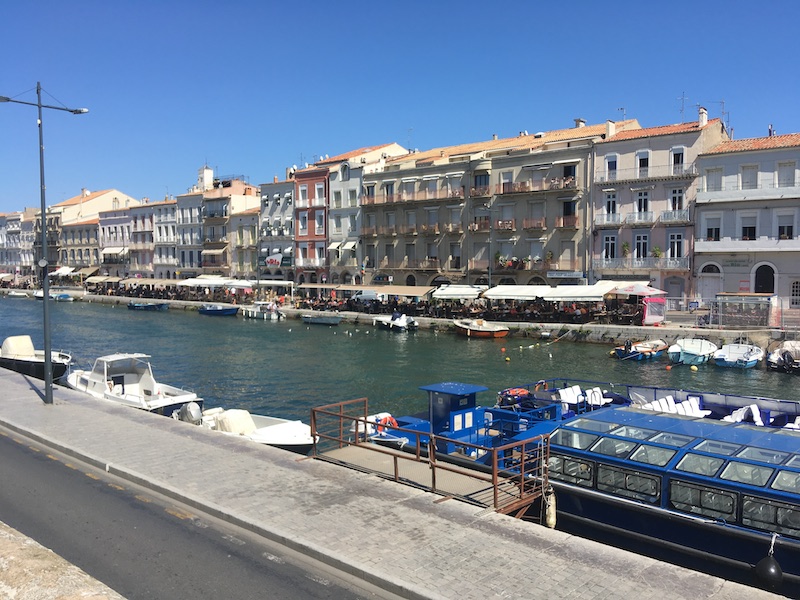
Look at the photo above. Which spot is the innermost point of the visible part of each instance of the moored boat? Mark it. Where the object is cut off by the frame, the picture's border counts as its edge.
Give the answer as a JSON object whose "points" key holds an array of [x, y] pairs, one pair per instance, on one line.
{"points": [[268, 311], [148, 306], [645, 350], [785, 358], [691, 351], [218, 310], [479, 328], [286, 434], [740, 356], [321, 318], [18, 354], [127, 379], [396, 322], [17, 294]]}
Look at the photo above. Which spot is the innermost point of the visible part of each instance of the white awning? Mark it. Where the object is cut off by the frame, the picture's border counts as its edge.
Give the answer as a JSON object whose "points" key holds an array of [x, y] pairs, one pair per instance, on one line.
{"points": [[458, 292], [561, 293], [538, 167], [114, 250], [349, 246], [214, 252], [61, 271], [334, 245], [569, 161]]}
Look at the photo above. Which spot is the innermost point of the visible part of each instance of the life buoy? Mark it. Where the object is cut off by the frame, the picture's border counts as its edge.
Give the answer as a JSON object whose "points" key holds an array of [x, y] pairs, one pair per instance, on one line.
{"points": [[385, 422], [542, 385], [516, 392]]}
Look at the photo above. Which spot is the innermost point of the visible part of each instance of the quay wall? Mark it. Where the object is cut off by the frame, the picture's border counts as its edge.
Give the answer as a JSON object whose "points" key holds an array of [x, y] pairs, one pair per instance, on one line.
{"points": [[678, 325]]}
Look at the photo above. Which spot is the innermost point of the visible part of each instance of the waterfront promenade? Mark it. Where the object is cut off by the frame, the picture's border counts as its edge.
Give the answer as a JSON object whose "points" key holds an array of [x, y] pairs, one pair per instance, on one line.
{"points": [[403, 540]]}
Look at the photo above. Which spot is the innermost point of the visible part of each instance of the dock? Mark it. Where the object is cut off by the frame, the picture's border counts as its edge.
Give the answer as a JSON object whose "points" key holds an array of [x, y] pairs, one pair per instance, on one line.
{"points": [[442, 548]]}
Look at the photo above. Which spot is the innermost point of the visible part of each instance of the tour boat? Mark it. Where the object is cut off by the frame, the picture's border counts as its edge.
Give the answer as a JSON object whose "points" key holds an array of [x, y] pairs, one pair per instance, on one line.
{"points": [[741, 356], [480, 328], [268, 311], [786, 357], [18, 354]]}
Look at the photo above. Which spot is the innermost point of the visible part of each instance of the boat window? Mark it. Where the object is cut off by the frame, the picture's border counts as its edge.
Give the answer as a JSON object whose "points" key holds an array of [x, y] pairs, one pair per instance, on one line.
{"points": [[653, 455], [773, 457], [613, 447], [565, 468], [702, 500], [592, 425], [771, 516], [636, 433], [716, 447], [699, 464], [671, 439], [787, 481], [746, 473], [630, 484], [794, 461], [572, 439]]}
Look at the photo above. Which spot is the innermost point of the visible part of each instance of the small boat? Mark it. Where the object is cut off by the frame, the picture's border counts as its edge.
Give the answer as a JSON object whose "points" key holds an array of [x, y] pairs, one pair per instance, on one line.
{"points": [[17, 294], [785, 358], [741, 356], [691, 351], [18, 354], [294, 436], [62, 297], [127, 379], [218, 310], [396, 322], [322, 318], [479, 328], [148, 306], [268, 311], [640, 350]]}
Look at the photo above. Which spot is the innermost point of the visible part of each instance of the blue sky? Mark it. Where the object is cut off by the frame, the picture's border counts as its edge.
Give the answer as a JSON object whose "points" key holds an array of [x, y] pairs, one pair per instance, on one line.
{"points": [[253, 87]]}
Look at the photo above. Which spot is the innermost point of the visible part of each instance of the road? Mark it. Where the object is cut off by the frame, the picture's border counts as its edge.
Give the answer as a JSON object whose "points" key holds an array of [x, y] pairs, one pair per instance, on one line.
{"points": [[143, 545]]}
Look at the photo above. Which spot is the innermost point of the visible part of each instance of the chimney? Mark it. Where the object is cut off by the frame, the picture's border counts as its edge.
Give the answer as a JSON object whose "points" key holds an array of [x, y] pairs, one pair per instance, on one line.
{"points": [[770, 132], [274, 179], [580, 122], [494, 136], [85, 192], [702, 119], [611, 129]]}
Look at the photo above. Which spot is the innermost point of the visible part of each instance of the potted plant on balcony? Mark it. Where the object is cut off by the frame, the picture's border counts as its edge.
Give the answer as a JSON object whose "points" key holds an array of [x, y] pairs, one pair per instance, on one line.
{"points": [[656, 252], [548, 256], [626, 249]]}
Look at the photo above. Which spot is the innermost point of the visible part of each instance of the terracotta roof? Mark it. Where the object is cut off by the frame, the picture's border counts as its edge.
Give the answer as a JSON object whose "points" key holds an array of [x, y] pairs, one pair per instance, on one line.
{"points": [[771, 142], [348, 155], [81, 198], [632, 134], [250, 211], [88, 222]]}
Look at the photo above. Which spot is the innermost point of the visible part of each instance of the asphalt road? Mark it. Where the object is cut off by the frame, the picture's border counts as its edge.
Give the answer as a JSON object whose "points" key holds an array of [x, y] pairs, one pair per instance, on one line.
{"points": [[146, 546]]}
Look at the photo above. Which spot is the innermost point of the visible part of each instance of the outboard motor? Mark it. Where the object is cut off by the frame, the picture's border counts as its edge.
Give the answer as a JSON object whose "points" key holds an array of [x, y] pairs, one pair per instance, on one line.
{"points": [[788, 360], [191, 413]]}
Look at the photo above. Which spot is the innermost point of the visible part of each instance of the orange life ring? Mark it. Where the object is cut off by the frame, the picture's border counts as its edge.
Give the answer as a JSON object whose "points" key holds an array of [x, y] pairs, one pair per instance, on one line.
{"points": [[386, 422], [542, 385], [516, 392]]}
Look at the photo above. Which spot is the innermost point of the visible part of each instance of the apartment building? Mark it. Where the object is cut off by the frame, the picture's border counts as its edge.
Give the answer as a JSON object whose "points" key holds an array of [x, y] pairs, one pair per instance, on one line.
{"points": [[165, 238], [276, 248], [80, 248]]}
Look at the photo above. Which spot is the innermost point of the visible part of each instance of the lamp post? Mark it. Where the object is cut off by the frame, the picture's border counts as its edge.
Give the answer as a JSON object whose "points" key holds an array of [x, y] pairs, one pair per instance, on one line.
{"points": [[48, 357]]}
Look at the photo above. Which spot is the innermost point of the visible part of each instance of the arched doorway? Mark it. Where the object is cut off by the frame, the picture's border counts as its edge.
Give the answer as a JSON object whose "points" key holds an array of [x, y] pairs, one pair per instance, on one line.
{"points": [[537, 281], [411, 280], [709, 283], [764, 282]]}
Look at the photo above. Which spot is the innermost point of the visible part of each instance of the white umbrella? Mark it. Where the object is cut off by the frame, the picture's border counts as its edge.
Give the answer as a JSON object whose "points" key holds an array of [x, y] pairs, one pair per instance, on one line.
{"points": [[636, 289]]}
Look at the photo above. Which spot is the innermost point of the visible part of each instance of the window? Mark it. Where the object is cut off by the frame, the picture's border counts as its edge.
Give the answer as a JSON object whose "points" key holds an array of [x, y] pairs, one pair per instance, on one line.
{"points": [[700, 464], [352, 197], [749, 177], [786, 174], [370, 191], [641, 246], [565, 468], [653, 455], [432, 187], [795, 298], [613, 447], [303, 193], [676, 199], [702, 500], [631, 484], [337, 224], [677, 161], [351, 225], [388, 189], [573, 439], [611, 203], [482, 182], [748, 227], [609, 247], [345, 172], [746, 473], [390, 221], [411, 253], [712, 227], [771, 515], [569, 171], [713, 180], [319, 192], [643, 163], [337, 199], [675, 249], [787, 481], [506, 180], [642, 201], [785, 227], [611, 167]]}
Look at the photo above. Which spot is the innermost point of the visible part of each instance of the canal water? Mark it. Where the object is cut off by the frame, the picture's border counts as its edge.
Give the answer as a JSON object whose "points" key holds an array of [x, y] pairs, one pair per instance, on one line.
{"points": [[285, 368]]}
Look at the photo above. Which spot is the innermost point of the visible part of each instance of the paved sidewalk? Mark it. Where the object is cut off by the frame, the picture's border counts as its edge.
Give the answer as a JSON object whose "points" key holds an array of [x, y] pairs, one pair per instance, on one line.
{"points": [[346, 518]]}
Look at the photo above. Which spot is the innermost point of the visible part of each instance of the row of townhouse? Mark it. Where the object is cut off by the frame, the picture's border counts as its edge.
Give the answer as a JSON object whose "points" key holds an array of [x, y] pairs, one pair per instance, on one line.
{"points": [[682, 206]]}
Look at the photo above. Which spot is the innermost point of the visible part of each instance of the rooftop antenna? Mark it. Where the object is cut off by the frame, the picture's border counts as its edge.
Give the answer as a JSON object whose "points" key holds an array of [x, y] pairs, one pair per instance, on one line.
{"points": [[683, 98], [724, 115], [622, 110], [410, 131]]}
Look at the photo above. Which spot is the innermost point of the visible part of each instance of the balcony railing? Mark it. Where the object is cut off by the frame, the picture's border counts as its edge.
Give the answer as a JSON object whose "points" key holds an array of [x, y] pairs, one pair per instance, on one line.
{"points": [[638, 218], [650, 263], [614, 219], [567, 222], [429, 229], [535, 223], [453, 228], [505, 225], [675, 216], [669, 171], [415, 196], [309, 262]]}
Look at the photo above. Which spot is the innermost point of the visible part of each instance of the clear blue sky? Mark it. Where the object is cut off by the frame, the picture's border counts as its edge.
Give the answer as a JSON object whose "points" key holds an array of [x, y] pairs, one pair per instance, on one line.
{"points": [[252, 87]]}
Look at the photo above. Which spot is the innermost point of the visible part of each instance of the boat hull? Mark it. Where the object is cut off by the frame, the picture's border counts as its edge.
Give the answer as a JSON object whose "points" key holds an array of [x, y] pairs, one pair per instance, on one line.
{"points": [[219, 311], [321, 319], [148, 306], [35, 368], [480, 329]]}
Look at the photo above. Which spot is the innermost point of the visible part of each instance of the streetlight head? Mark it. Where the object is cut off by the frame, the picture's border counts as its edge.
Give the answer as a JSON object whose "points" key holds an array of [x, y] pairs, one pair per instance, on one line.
{"points": [[79, 111], [5, 99]]}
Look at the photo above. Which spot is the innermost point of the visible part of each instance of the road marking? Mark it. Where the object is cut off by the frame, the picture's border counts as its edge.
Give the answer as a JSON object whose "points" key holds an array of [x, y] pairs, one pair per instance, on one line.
{"points": [[143, 498], [119, 488], [183, 516], [34, 448], [92, 476], [71, 466], [52, 457]]}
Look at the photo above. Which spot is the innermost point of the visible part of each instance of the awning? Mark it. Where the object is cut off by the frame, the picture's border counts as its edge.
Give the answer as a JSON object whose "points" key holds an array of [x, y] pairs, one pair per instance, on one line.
{"points": [[6, 276], [561, 293], [409, 291], [214, 252], [334, 245], [61, 271], [114, 250], [86, 271], [349, 246], [567, 161], [458, 292]]}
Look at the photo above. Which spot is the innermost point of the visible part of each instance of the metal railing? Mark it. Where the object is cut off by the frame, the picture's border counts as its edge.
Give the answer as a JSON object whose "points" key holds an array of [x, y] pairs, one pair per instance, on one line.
{"points": [[513, 478]]}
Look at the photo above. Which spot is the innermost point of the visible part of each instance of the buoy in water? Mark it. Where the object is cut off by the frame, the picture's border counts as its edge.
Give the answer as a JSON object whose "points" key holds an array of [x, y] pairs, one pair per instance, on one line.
{"points": [[508, 359], [502, 349], [669, 367], [693, 368]]}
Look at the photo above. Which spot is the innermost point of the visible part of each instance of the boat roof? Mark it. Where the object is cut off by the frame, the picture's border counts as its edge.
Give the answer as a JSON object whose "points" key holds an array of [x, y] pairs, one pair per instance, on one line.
{"points": [[122, 356], [453, 388]]}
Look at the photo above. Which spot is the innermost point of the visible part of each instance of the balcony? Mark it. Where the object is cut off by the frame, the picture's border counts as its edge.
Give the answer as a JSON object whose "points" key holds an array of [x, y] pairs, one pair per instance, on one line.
{"points": [[349, 261], [517, 187], [567, 222], [387, 230], [630, 263], [310, 262], [668, 171], [373, 231], [739, 244], [407, 229], [675, 216], [505, 225], [480, 192], [537, 223], [481, 225], [612, 220], [640, 218], [453, 228], [429, 229]]}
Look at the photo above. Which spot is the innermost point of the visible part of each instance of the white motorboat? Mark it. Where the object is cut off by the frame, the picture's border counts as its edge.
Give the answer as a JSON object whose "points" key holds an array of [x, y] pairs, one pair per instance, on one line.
{"points": [[691, 351], [18, 354], [786, 357], [742, 356], [128, 380], [272, 431], [267, 311], [396, 322]]}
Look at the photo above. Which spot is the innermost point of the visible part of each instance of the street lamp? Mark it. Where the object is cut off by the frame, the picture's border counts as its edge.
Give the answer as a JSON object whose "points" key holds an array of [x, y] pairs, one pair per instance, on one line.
{"points": [[48, 357]]}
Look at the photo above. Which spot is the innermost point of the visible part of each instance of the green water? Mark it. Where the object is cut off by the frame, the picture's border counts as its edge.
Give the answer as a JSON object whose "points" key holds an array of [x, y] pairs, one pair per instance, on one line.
{"points": [[285, 368]]}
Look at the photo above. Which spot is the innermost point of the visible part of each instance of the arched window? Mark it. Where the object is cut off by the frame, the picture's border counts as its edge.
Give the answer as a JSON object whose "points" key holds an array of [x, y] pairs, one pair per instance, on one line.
{"points": [[764, 280], [411, 280], [710, 269]]}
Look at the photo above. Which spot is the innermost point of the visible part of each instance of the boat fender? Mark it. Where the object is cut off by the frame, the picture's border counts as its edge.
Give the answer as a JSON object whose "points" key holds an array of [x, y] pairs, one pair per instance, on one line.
{"points": [[550, 508], [768, 571], [540, 385], [385, 422]]}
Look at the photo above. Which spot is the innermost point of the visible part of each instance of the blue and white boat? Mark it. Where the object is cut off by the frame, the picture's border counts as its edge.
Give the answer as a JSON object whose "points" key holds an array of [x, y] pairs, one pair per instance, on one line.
{"points": [[740, 356], [148, 306], [218, 310], [710, 476], [691, 351], [321, 318], [636, 351]]}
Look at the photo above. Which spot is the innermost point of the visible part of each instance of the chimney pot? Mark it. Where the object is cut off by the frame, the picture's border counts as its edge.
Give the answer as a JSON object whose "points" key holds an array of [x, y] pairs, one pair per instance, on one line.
{"points": [[702, 117]]}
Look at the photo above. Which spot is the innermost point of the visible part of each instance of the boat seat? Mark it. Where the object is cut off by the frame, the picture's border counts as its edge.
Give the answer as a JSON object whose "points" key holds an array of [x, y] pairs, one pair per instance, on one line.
{"points": [[793, 424], [694, 403], [755, 412], [680, 408], [595, 397], [670, 402], [738, 415], [236, 420]]}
